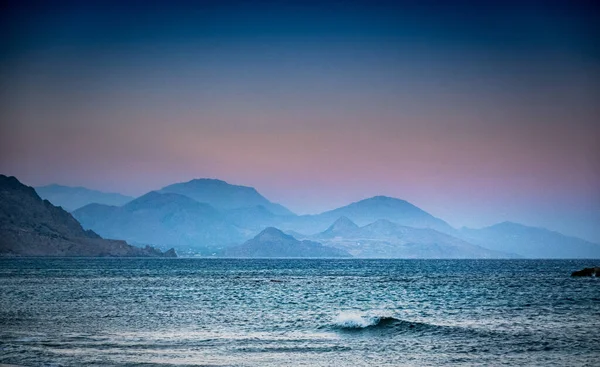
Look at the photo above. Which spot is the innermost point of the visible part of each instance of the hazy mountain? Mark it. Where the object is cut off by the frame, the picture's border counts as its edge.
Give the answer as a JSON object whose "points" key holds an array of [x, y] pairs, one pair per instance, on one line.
{"points": [[255, 217], [386, 239], [206, 215], [71, 198], [383, 207], [531, 242], [239, 212], [163, 219], [224, 196], [368, 211], [30, 226], [341, 227], [272, 242]]}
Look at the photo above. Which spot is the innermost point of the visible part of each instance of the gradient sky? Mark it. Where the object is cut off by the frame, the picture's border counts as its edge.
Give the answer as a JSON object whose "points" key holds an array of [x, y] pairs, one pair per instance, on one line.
{"points": [[476, 113]]}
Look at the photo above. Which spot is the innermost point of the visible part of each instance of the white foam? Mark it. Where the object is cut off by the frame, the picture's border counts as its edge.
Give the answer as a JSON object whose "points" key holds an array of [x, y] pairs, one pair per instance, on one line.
{"points": [[356, 320]]}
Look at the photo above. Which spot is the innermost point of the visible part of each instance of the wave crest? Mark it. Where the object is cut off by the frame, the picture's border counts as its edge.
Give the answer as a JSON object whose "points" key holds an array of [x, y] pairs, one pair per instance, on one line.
{"points": [[355, 320]]}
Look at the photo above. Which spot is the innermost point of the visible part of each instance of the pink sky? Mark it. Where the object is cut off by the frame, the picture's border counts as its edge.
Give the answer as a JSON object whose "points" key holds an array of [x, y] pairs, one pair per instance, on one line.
{"points": [[477, 116]]}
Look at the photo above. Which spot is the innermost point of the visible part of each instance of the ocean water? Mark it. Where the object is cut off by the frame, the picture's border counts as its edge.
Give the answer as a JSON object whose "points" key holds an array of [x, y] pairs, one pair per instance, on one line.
{"points": [[277, 312]]}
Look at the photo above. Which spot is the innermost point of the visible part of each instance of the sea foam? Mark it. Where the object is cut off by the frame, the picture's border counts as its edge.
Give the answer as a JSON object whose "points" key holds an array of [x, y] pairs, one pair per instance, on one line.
{"points": [[358, 320]]}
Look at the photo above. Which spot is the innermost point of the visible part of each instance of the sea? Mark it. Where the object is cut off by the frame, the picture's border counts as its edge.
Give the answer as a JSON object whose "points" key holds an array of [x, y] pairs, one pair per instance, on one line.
{"points": [[301, 312]]}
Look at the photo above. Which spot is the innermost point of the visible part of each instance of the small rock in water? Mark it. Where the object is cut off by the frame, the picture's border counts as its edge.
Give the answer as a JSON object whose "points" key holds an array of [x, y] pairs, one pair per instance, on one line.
{"points": [[587, 272]]}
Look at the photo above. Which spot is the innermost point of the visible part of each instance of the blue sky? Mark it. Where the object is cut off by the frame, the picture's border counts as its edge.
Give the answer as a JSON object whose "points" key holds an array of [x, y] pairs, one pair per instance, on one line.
{"points": [[478, 113]]}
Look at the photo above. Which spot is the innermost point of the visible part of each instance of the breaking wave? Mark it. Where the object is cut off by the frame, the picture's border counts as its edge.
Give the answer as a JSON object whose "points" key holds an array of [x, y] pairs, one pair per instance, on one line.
{"points": [[355, 320], [384, 322]]}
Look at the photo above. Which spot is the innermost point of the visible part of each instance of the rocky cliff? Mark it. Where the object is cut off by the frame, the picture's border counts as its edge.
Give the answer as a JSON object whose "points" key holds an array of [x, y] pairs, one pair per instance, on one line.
{"points": [[30, 226]]}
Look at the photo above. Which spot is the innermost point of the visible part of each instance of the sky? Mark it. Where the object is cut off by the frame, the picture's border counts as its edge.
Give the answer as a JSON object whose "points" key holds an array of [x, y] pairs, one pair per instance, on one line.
{"points": [[477, 112]]}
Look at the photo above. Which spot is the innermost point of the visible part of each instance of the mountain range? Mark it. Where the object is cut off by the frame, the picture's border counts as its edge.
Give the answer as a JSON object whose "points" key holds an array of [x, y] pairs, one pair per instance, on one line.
{"points": [[224, 196], [162, 218], [207, 216], [31, 226], [530, 242], [71, 198], [382, 207], [272, 242], [386, 239]]}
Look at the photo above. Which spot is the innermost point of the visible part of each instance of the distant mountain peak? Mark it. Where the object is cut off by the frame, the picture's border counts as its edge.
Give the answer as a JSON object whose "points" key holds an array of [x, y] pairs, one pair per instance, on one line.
{"points": [[385, 203], [398, 211], [223, 195], [75, 197], [345, 221], [169, 203], [382, 199], [157, 198], [209, 181], [342, 224], [385, 198], [272, 242], [384, 223], [272, 233]]}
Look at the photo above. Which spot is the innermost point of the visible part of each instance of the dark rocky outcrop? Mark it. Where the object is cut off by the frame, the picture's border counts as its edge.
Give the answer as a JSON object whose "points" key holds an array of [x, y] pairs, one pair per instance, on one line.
{"points": [[587, 272], [169, 253], [30, 226]]}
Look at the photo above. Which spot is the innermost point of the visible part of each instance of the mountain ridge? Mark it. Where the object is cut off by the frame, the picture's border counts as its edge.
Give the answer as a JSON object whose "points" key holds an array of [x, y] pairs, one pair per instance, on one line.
{"points": [[32, 226], [75, 197], [223, 195], [272, 242], [239, 224], [384, 207], [162, 218], [530, 242], [386, 239]]}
